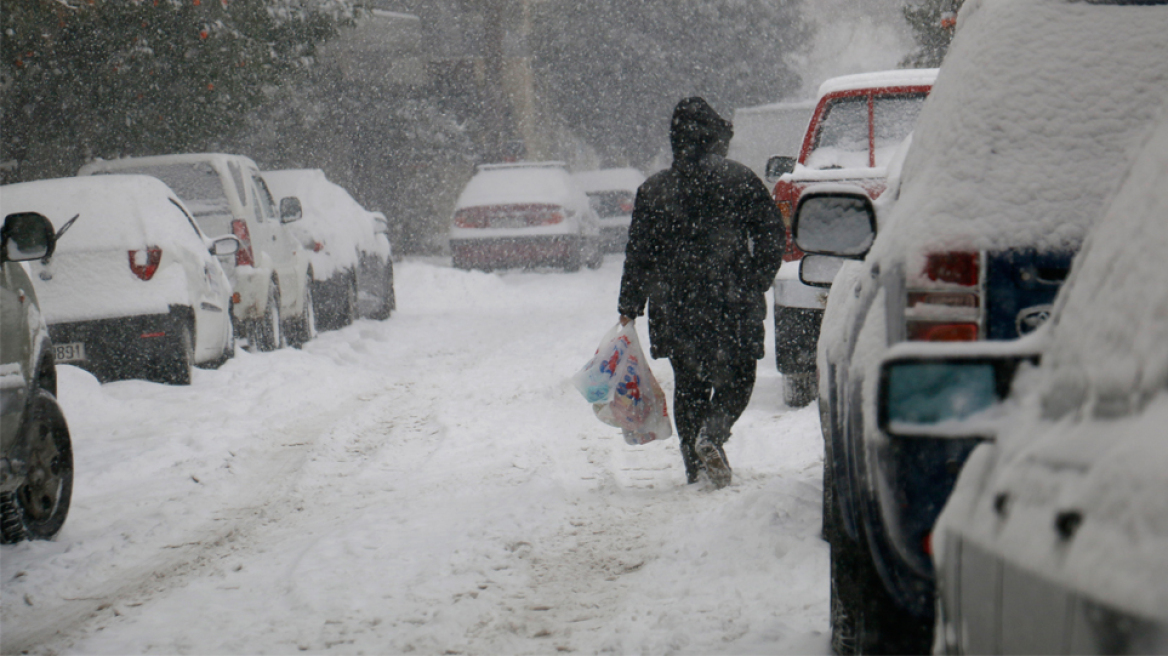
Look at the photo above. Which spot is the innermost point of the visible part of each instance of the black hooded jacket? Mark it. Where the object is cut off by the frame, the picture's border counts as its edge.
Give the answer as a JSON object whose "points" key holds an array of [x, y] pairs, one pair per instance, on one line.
{"points": [[705, 243]]}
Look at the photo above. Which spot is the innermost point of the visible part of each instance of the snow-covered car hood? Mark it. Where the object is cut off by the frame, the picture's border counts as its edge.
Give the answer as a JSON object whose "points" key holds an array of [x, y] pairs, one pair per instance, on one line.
{"points": [[1022, 146]]}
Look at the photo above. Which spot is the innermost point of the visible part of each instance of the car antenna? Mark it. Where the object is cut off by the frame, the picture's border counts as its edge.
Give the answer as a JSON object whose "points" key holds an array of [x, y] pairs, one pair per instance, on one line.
{"points": [[68, 224]]}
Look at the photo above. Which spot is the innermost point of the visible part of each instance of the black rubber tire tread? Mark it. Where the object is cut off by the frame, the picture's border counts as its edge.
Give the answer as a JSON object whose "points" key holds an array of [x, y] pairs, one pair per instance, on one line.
{"points": [[799, 390], [864, 617], [388, 299], [266, 333], [16, 523], [299, 330]]}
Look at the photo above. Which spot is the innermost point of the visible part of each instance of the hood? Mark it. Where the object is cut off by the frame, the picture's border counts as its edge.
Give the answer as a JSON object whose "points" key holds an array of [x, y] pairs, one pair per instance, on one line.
{"points": [[696, 131]]}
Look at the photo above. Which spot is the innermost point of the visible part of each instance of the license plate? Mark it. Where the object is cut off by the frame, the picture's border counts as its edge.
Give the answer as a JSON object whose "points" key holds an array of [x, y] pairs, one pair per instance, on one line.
{"points": [[72, 352]]}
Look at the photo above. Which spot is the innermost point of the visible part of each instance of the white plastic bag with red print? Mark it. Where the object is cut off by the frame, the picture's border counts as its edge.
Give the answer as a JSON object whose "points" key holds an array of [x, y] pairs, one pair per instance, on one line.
{"points": [[620, 386]]}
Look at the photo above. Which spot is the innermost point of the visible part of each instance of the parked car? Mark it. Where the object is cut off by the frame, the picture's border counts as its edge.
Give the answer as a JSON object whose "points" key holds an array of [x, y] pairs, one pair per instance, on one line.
{"points": [[1055, 539], [36, 455], [227, 195], [612, 193], [348, 247], [855, 129], [524, 215], [1024, 136], [134, 289]]}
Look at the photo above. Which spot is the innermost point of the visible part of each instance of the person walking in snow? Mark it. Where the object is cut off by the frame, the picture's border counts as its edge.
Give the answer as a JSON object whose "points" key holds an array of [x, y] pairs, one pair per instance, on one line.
{"points": [[705, 243]]}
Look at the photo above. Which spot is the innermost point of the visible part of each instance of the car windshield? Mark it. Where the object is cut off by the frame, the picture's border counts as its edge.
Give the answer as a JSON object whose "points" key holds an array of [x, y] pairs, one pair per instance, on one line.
{"points": [[842, 142], [199, 186]]}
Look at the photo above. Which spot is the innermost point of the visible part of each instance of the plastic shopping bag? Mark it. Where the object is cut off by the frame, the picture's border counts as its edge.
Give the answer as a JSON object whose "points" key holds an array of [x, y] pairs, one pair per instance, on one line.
{"points": [[620, 386]]}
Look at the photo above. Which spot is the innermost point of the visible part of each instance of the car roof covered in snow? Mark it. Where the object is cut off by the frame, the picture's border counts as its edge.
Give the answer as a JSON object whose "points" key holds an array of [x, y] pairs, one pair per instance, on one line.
{"points": [[105, 165], [609, 179], [543, 182], [907, 77], [115, 211], [1027, 131]]}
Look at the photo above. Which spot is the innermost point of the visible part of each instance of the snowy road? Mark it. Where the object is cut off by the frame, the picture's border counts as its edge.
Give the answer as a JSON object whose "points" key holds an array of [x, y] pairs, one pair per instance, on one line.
{"points": [[428, 484]]}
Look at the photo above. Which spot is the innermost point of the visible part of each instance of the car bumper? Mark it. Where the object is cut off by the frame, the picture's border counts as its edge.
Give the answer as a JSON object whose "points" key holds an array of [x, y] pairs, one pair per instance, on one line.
{"points": [[614, 239], [120, 347], [504, 252]]}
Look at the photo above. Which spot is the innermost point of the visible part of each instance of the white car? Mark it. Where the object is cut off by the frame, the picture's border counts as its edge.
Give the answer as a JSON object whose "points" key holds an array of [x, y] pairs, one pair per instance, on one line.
{"points": [[524, 215], [348, 246], [612, 193], [134, 289], [227, 194], [1055, 539]]}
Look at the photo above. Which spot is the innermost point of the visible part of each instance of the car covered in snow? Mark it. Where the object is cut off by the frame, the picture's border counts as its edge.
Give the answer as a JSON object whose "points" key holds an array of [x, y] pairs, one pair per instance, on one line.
{"points": [[228, 195], [133, 289], [612, 193], [1055, 539], [524, 215], [1023, 138], [853, 135], [36, 455], [348, 247]]}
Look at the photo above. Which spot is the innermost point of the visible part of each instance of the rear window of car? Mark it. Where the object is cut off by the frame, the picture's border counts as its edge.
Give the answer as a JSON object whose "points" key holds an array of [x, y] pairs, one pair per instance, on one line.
{"points": [[611, 203], [199, 186], [842, 140]]}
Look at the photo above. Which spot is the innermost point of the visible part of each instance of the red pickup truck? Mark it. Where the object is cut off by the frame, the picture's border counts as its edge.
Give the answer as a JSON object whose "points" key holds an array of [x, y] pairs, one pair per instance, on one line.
{"points": [[858, 123]]}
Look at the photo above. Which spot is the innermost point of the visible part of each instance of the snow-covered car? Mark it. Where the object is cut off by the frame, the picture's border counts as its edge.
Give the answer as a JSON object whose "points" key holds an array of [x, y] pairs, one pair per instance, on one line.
{"points": [[36, 454], [1024, 136], [612, 193], [134, 289], [853, 135], [352, 267], [227, 195], [1055, 539], [524, 215]]}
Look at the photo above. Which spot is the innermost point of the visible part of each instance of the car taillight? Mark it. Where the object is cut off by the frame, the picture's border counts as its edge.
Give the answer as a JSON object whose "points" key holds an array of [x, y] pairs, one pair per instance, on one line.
{"points": [[956, 267], [927, 544], [244, 256], [626, 205], [933, 331], [545, 216], [471, 217], [145, 262]]}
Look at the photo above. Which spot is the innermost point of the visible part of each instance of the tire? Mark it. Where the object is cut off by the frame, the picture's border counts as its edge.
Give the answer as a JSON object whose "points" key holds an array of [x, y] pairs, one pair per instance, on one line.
{"points": [[266, 334], [597, 259], [300, 330], [350, 307], [864, 617], [799, 389], [573, 262], [177, 371], [37, 509], [388, 299]]}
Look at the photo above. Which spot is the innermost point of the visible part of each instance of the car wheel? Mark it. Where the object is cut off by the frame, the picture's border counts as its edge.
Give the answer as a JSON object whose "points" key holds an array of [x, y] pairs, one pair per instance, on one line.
{"points": [[176, 370], [864, 617], [265, 334], [597, 258], [799, 389], [302, 329], [388, 299], [36, 510], [350, 309]]}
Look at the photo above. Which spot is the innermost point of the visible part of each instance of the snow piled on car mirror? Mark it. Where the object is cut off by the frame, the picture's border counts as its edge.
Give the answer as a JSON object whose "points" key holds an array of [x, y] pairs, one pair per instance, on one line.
{"points": [[116, 211], [1027, 131]]}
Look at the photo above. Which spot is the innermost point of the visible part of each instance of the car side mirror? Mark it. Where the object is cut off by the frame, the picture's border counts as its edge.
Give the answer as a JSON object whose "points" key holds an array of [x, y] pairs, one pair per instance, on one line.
{"points": [[26, 236], [380, 224], [922, 395], [290, 209], [226, 245], [837, 223], [819, 270], [779, 165]]}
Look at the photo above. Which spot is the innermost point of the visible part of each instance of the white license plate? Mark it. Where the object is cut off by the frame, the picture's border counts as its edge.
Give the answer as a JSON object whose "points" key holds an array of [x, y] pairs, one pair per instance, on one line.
{"points": [[72, 352]]}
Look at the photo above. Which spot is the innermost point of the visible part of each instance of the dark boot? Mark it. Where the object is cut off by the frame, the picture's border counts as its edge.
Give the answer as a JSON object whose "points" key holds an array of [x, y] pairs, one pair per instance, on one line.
{"points": [[693, 464], [709, 447]]}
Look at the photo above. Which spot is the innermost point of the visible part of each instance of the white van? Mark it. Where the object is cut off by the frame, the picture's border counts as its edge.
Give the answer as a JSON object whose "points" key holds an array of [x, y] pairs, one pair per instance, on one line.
{"points": [[227, 195]]}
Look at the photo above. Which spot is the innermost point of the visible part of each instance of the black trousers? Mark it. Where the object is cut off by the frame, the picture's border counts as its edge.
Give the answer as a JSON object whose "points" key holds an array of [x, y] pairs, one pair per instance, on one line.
{"points": [[716, 395]]}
